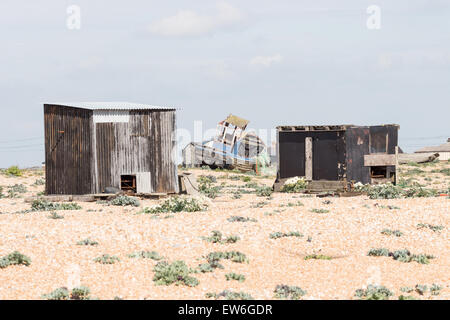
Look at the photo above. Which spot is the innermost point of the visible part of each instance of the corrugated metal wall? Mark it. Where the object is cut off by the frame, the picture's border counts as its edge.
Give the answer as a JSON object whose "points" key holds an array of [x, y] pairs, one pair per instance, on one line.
{"points": [[142, 147], [92, 154], [68, 150]]}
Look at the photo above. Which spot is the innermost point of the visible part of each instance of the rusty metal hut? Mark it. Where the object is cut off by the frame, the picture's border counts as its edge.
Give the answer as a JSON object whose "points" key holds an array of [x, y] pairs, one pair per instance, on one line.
{"points": [[339, 154], [90, 146]]}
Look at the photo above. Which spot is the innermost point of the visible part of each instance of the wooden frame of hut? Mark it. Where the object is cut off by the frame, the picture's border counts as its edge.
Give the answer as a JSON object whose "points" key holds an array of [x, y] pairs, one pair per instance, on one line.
{"points": [[338, 154], [92, 146]]}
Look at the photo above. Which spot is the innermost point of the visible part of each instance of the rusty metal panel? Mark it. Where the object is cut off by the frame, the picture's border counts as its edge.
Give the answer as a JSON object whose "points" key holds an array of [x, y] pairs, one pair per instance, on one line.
{"points": [[67, 150]]}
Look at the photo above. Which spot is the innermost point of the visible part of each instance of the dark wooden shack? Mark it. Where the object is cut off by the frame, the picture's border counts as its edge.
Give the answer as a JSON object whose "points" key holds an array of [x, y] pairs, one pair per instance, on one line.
{"points": [[345, 153], [92, 146]]}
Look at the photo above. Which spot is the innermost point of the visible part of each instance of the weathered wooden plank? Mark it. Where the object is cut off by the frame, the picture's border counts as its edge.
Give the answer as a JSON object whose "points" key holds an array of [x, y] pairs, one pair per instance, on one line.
{"points": [[308, 158], [380, 160]]}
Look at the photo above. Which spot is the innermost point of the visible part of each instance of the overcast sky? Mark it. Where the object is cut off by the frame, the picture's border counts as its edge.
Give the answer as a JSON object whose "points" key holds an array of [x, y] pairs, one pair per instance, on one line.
{"points": [[272, 62]]}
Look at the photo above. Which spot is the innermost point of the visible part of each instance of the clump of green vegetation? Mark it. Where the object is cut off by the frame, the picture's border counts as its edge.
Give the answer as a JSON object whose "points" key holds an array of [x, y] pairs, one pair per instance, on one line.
{"points": [[14, 258], [288, 292], [237, 195], [318, 257], [435, 289], [216, 237], [39, 182], [176, 272], [378, 252], [55, 215], [406, 256], [125, 201], [374, 292], [246, 178], [14, 171], [260, 204], [235, 276], [292, 204], [206, 186], [107, 259], [401, 255], [44, 205], [274, 212], [436, 228], [78, 293], [87, 242], [214, 258], [241, 219], [145, 255], [263, 191], [230, 295], [294, 185], [179, 204], [320, 210], [15, 190], [402, 297], [390, 191], [389, 232], [278, 234], [421, 289]]}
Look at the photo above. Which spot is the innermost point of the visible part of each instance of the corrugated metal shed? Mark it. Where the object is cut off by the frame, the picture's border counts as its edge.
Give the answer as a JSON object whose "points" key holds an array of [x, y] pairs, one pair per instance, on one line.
{"points": [[117, 105]]}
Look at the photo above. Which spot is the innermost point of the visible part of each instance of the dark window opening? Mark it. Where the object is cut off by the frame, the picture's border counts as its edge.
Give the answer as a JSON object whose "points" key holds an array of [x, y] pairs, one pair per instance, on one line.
{"points": [[128, 183], [378, 172]]}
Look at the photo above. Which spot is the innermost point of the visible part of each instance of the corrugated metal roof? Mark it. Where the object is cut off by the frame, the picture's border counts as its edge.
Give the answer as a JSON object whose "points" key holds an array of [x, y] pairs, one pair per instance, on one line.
{"points": [[119, 105]]}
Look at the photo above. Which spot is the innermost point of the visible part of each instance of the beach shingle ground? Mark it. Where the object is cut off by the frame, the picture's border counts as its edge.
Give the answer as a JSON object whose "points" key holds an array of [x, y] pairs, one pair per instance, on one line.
{"points": [[346, 233]]}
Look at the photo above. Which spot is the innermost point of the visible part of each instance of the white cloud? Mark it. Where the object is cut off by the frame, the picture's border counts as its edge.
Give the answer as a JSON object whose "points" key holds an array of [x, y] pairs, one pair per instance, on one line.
{"points": [[266, 61], [191, 23]]}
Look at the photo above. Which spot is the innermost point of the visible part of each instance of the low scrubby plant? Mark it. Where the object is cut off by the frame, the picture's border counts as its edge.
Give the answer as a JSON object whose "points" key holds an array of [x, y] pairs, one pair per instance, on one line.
{"points": [[241, 219], [278, 234], [259, 204], [283, 291], [107, 259], [87, 242], [78, 293], [214, 258], [217, 237], [374, 292], [235, 276], [402, 297], [179, 204], [434, 228], [320, 210], [125, 201], [39, 182], [206, 186], [435, 289], [176, 272], [145, 255], [44, 205], [318, 257], [378, 252], [15, 190], [14, 258], [295, 184], [230, 295], [263, 191], [390, 191], [14, 171], [401, 255], [389, 232], [55, 215]]}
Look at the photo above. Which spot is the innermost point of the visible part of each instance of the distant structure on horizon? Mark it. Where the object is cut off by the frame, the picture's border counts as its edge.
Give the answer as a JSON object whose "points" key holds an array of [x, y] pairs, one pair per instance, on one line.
{"points": [[91, 146], [443, 150]]}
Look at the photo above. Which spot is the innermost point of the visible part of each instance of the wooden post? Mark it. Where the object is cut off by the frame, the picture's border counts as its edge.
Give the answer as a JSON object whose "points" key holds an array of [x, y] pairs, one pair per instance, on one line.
{"points": [[308, 159], [396, 165]]}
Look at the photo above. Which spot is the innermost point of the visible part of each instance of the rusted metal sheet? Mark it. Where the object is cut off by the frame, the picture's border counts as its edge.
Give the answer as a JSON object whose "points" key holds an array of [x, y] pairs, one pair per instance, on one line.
{"points": [[68, 150]]}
